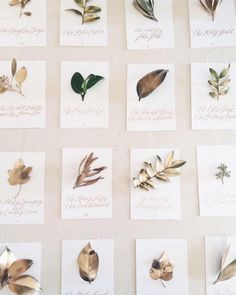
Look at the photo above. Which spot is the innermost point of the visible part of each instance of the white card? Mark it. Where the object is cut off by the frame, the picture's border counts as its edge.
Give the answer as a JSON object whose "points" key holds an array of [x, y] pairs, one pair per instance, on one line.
{"points": [[207, 33], [25, 204], [215, 248], [209, 112], [163, 202], [145, 33], [146, 252], [90, 201], [24, 108], [216, 198], [25, 251], [156, 111], [93, 112], [16, 30], [72, 283], [74, 33]]}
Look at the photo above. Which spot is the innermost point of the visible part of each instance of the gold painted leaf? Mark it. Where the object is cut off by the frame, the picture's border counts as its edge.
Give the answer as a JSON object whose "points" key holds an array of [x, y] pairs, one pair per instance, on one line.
{"points": [[24, 285], [93, 9], [21, 75], [18, 267], [91, 18], [172, 172], [177, 164], [88, 263]]}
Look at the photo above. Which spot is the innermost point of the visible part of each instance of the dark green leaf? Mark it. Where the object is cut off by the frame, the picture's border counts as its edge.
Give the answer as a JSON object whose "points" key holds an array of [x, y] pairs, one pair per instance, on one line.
{"points": [[92, 80], [214, 74], [76, 83]]}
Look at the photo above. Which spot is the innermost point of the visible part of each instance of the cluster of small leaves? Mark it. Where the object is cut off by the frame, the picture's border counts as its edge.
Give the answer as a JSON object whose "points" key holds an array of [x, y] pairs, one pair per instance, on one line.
{"points": [[161, 171], [211, 6], [86, 173], [12, 274], [88, 13], [17, 75], [219, 83], [81, 85], [223, 172], [146, 8], [22, 4]]}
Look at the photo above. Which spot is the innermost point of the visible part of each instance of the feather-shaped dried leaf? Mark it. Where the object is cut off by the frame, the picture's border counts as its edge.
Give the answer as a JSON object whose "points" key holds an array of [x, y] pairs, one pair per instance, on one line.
{"points": [[13, 67], [227, 273], [21, 75], [18, 267], [20, 174], [150, 83], [88, 264], [24, 285]]}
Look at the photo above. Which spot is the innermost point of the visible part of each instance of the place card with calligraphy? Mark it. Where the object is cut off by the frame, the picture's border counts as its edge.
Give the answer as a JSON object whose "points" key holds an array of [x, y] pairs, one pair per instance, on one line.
{"points": [[149, 27], [87, 183], [212, 27], [84, 107], [163, 201], [22, 188], [161, 267], [150, 97], [80, 275], [216, 180], [83, 23], [22, 94], [220, 265], [23, 25], [213, 96]]}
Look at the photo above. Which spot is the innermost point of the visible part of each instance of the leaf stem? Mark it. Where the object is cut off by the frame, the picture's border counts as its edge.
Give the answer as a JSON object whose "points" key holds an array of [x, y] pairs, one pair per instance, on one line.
{"points": [[18, 193], [85, 7]]}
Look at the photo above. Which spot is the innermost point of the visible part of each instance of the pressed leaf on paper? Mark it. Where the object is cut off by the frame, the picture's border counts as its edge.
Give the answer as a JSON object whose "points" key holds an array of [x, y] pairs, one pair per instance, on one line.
{"points": [[146, 8], [211, 6]]}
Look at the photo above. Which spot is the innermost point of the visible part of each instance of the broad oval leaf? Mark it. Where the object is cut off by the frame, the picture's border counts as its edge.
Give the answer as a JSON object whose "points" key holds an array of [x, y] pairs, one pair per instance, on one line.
{"points": [[21, 75], [76, 11], [92, 80], [150, 82], [93, 9], [77, 81], [24, 285], [13, 67], [18, 267], [91, 18]]}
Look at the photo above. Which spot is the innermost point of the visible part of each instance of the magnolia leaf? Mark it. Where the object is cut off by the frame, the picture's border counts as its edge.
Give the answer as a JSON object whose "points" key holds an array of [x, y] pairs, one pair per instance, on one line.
{"points": [[92, 80], [13, 67], [91, 18], [18, 267], [21, 75], [76, 83], [76, 11], [93, 9], [24, 285], [88, 264]]}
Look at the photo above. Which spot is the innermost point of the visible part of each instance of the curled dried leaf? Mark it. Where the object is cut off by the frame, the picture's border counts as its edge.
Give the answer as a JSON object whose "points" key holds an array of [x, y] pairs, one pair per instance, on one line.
{"points": [[20, 174]]}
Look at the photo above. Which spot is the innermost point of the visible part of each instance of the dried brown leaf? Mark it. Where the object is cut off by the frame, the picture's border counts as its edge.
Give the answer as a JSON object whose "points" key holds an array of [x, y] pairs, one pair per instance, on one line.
{"points": [[13, 67], [24, 285], [21, 75], [162, 268], [18, 267], [20, 174]]}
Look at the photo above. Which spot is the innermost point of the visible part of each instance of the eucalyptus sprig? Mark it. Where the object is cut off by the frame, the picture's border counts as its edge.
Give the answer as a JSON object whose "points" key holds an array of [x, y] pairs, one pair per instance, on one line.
{"points": [[146, 8], [223, 172], [87, 12], [219, 83]]}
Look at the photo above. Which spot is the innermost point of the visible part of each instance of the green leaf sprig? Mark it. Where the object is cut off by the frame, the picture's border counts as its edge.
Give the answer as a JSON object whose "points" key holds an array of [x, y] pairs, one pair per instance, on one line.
{"points": [[223, 172], [81, 85], [87, 12], [219, 83]]}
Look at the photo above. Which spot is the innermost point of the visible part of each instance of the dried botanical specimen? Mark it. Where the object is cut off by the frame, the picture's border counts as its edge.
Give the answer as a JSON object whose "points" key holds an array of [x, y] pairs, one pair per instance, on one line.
{"points": [[88, 263], [6, 83], [81, 85], [162, 171], [227, 272], [22, 4], [223, 172], [211, 6], [146, 8], [85, 172], [150, 82], [162, 269], [219, 83], [19, 175], [87, 12], [12, 275]]}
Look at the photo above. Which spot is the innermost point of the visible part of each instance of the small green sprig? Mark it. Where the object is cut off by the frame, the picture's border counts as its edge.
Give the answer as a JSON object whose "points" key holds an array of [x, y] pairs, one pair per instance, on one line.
{"points": [[223, 172], [219, 83]]}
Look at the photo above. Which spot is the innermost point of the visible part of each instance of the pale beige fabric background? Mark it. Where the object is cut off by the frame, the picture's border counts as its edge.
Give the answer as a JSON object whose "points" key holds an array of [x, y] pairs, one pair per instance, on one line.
{"points": [[53, 139]]}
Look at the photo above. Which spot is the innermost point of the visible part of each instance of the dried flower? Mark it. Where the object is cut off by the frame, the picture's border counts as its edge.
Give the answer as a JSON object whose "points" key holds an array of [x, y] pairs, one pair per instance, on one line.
{"points": [[211, 6], [223, 172], [162, 171], [146, 8], [19, 175], [81, 85], [85, 172], [219, 83], [12, 274], [88, 13], [22, 4], [6, 84], [162, 269]]}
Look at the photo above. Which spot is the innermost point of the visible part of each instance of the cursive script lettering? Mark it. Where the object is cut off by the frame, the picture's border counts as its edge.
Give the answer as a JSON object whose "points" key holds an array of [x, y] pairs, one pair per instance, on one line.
{"points": [[215, 113], [153, 115], [20, 110], [148, 34], [213, 33], [22, 31]]}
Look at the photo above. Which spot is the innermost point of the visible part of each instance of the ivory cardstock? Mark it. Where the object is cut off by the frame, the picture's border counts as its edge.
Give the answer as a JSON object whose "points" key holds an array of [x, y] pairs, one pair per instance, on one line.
{"points": [[93, 112], [27, 111], [92, 201], [23, 205], [73, 33], [208, 112], [156, 111], [72, 283], [216, 199], [214, 250], [146, 252], [24, 30], [144, 33], [207, 33], [163, 202]]}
